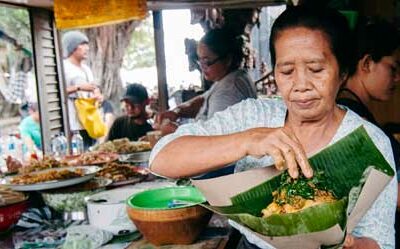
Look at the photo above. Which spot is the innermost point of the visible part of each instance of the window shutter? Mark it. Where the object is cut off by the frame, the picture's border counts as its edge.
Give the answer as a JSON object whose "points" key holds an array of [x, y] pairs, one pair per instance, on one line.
{"points": [[48, 68]]}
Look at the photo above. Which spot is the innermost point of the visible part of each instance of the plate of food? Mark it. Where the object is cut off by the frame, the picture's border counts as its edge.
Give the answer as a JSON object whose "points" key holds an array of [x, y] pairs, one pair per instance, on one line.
{"points": [[47, 162], [50, 178], [123, 146], [122, 174], [91, 158]]}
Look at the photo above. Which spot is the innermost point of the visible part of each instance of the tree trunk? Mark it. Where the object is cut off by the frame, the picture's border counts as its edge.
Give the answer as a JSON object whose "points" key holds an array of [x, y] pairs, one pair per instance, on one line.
{"points": [[107, 48]]}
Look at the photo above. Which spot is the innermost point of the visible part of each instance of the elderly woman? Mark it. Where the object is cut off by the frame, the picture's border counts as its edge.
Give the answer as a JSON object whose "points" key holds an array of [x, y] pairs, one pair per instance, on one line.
{"points": [[219, 57], [309, 51]]}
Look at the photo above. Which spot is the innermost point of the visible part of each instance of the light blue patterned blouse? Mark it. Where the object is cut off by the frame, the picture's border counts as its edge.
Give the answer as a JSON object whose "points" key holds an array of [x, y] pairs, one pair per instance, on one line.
{"points": [[378, 222]]}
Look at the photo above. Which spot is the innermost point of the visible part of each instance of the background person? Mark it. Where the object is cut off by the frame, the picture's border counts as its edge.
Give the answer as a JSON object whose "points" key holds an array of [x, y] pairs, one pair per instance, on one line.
{"points": [[309, 52], [219, 56], [373, 77], [30, 129], [134, 124], [78, 78]]}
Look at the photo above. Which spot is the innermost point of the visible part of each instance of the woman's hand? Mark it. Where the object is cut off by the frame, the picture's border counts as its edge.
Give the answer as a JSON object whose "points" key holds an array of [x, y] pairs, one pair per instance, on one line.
{"points": [[352, 242], [282, 145], [164, 117]]}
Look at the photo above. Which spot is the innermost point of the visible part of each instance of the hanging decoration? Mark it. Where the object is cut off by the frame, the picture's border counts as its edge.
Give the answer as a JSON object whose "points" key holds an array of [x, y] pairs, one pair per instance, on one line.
{"points": [[74, 14]]}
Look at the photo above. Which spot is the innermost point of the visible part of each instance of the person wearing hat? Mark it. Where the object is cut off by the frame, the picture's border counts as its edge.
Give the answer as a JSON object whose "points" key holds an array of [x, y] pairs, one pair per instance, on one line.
{"points": [[134, 124], [29, 129], [79, 79]]}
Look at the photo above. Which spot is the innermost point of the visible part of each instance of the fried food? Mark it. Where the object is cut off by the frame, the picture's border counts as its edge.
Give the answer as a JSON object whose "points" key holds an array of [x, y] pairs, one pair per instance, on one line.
{"points": [[47, 162], [294, 195], [46, 176], [123, 146], [118, 172], [90, 158]]}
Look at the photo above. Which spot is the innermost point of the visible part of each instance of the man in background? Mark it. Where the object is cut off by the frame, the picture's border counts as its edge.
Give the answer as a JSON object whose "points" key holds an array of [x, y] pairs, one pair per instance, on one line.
{"points": [[78, 78], [134, 124]]}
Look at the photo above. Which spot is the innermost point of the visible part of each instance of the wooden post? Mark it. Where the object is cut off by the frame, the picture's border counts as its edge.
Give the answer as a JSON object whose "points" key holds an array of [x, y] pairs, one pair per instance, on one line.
{"points": [[160, 61]]}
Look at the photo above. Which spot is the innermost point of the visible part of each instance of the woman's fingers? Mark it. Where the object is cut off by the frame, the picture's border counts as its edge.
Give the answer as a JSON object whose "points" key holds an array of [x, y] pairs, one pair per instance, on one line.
{"points": [[283, 146], [300, 155], [280, 162], [290, 158]]}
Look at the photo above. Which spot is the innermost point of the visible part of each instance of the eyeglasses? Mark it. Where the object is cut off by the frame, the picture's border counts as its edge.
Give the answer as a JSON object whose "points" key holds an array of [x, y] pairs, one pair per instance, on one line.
{"points": [[207, 63]]}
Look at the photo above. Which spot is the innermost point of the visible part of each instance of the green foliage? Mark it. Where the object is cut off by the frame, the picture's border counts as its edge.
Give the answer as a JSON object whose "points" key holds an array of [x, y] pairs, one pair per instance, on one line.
{"points": [[15, 23], [141, 50]]}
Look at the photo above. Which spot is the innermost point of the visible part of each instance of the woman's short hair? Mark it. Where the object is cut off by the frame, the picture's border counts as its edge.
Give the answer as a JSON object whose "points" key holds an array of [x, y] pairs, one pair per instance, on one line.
{"points": [[329, 21], [223, 42], [375, 37]]}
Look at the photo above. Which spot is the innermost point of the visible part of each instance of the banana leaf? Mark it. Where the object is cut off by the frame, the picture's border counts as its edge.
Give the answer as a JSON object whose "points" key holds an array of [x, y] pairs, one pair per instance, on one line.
{"points": [[345, 165]]}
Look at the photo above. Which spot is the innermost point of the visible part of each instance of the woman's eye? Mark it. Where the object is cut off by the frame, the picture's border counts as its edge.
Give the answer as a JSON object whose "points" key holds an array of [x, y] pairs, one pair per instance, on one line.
{"points": [[286, 71], [316, 70]]}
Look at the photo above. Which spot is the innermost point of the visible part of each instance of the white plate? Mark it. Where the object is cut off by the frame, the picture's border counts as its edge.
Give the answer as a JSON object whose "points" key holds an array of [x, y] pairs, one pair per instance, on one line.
{"points": [[90, 172]]}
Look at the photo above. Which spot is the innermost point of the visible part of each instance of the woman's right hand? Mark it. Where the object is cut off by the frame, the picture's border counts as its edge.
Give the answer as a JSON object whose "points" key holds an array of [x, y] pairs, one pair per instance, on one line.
{"points": [[282, 145], [162, 117]]}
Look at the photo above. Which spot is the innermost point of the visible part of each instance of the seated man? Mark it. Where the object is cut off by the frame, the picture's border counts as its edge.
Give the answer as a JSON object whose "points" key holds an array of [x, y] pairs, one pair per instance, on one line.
{"points": [[30, 129], [134, 124]]}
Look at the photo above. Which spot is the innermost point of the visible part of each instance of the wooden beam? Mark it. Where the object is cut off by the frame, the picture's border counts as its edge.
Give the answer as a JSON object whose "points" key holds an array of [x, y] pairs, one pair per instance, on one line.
{"points": [[160, 60]]}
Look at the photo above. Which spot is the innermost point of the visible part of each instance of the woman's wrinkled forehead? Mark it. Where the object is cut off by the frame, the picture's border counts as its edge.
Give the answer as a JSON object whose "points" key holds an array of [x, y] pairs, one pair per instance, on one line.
{"points": [[300, 28]]}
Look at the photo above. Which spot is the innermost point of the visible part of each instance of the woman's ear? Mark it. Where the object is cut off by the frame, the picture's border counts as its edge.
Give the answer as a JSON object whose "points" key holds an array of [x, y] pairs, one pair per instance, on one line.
{"points": [[343, 78], [365, 63]]}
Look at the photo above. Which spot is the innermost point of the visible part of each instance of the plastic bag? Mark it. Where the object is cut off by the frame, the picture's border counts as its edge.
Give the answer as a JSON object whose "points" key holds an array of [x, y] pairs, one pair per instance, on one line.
{"points": [[89, 117]]}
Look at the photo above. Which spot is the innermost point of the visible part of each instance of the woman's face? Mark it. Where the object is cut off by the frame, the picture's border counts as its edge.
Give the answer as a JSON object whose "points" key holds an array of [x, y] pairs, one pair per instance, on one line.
{"points": [[382, 78], [214, 68], [306, 73]]}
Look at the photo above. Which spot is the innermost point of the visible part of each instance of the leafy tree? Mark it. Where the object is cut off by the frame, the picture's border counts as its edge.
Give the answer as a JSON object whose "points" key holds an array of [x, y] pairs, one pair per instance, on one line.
{"points": [[107, 48], [140, 51], [14, 22]]}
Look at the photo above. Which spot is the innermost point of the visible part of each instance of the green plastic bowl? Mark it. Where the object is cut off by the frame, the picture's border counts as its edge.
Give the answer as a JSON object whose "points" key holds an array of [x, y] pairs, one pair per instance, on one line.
{"points": [[162, 224], [160, 199]]}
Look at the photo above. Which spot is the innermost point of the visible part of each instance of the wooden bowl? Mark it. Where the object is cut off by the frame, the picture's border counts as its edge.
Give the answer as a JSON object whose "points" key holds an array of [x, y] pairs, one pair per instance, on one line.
{"points": [[162, 224]]}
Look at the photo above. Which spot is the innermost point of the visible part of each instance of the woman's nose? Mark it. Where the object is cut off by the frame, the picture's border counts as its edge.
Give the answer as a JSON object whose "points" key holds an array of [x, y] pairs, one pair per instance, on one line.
{"points": [[301, 81]]}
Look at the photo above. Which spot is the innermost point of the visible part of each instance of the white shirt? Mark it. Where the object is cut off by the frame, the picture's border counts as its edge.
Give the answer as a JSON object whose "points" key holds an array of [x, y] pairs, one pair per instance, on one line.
{"points": [[76, 75], [233, 88], [377, 223]]}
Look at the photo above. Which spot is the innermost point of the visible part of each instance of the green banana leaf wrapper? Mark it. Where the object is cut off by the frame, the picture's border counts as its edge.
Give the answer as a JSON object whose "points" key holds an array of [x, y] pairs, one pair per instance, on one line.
{"points": [[355, 171]]}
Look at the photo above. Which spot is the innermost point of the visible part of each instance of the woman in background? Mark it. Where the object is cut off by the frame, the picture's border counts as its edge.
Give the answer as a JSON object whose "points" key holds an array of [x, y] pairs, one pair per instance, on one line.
{"points": [[219, 56], [373, 77]]}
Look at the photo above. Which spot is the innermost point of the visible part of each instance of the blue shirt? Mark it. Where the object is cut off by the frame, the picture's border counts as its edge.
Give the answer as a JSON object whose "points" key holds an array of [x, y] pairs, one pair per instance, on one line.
{"points": [[377, 223], [29, 128]]}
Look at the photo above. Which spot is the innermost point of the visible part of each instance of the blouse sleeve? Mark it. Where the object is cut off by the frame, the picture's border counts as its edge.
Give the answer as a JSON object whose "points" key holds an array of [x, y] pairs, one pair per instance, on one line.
{"points": [[378, 222]]}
